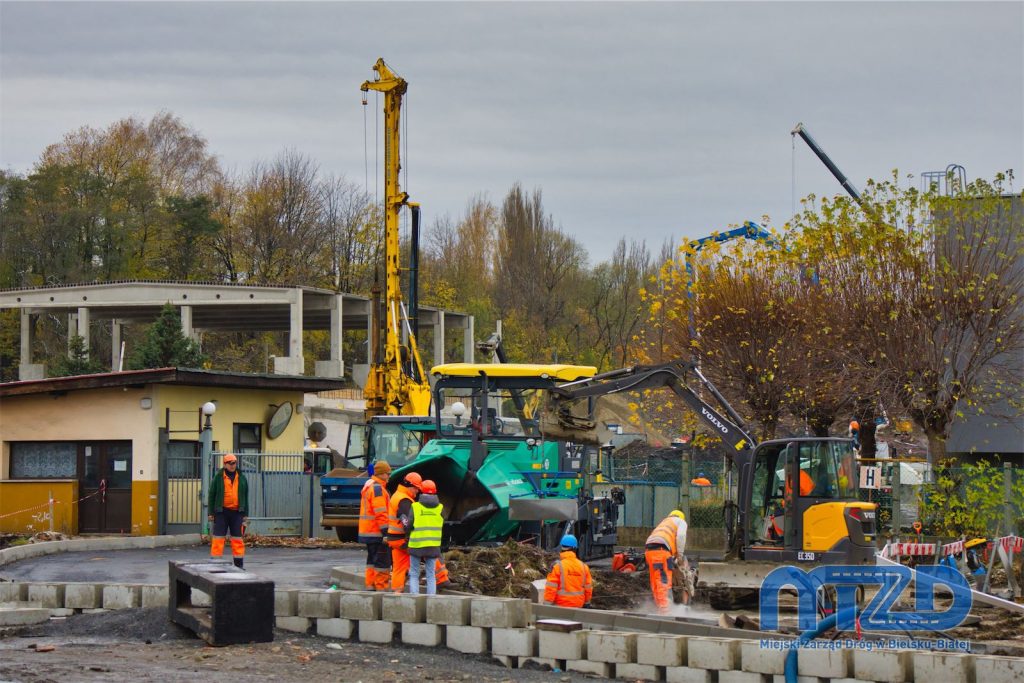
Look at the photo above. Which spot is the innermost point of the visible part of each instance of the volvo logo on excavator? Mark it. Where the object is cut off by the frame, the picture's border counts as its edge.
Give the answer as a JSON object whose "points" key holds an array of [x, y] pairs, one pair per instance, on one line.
{"points": [[714, 420]]}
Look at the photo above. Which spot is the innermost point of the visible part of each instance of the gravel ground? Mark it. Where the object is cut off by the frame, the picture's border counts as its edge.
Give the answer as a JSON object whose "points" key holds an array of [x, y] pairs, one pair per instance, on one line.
{"points": [[143, 645]]}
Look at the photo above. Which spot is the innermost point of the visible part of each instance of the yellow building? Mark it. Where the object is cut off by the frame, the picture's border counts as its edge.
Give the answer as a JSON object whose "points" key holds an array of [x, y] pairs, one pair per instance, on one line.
{"points": [[89, 454]]}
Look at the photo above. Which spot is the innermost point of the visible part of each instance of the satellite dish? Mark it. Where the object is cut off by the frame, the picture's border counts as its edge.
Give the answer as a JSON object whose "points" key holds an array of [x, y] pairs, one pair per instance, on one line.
{"points": [[317, 432]]}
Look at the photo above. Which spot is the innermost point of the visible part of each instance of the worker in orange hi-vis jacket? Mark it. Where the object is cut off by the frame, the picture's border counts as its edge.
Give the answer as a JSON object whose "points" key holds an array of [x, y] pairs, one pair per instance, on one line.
{"points": [[664, 549], [373, 523]]}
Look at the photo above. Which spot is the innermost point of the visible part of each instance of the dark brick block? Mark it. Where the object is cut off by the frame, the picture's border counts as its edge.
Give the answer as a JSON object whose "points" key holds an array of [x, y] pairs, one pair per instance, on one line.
{"points": [[241, 606]]}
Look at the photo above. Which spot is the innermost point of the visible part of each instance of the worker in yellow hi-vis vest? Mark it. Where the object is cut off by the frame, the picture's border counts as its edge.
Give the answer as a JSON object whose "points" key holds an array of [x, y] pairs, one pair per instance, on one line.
{"points": [[425, 525]]}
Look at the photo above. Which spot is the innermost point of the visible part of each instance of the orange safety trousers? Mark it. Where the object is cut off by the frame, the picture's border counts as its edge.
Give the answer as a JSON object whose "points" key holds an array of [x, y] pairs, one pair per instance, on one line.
{"points": [[661, 577], [217, 547]]}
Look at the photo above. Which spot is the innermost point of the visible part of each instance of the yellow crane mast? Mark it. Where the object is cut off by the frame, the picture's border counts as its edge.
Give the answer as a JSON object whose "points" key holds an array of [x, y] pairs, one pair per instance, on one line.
{"points": [[391, 388]]}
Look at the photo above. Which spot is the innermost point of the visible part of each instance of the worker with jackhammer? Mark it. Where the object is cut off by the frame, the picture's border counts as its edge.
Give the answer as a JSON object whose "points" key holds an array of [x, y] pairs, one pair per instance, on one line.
{"points": [[665, 550], [373, 523], [569, 582], [399, 514]]}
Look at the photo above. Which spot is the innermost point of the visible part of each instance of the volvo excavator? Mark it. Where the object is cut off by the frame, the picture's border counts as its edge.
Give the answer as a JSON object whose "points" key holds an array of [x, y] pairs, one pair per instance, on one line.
{"points": [[769, 520]]}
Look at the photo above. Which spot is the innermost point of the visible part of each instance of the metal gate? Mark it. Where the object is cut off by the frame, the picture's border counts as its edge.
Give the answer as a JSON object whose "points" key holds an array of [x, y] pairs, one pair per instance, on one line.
{"points": [[284, 498]]}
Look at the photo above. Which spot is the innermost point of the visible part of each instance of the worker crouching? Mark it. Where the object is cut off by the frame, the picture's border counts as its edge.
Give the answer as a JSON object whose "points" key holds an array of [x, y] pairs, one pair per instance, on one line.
{"points": [[426, 522], [664, 549], [569, 582], [373, 523]]}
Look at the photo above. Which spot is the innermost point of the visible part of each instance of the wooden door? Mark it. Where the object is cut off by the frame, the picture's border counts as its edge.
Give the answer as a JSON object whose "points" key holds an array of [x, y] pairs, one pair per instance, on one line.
{"points": [[105, 486]]}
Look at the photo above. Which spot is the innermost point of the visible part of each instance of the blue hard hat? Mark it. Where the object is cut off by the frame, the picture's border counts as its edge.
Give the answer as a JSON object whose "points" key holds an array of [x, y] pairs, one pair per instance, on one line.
{"points": [[569, 541]]}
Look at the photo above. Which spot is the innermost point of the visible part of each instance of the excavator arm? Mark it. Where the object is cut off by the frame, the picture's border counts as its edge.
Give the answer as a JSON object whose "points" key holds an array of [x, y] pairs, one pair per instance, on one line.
{"points": [[564, 398]]}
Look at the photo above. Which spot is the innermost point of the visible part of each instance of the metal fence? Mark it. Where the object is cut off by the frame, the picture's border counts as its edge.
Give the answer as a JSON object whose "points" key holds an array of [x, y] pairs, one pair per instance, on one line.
{"points": [[284, 498]]}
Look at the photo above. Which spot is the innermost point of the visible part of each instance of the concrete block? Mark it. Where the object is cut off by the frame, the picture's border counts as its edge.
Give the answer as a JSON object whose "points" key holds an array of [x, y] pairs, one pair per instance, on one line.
{"points": [[684, 674], [640, 672], [500, 612], [60, 612], [23, 616], [360, 605], [660, 649], [468, 639], [83, 596], [742, 677], [585, 666], [716, 654], [936, 666], [12, 592], [884, 666], [316, 604], [800, 679], [449, 610], [507, 661], [825, 663], [542, 663], [150, 596], [120, 596], [557, 645], [286, 602], [336, 628], [46, 594], [429, 635], [998, 669], [407, 609], [611, 646], [296, 624], [762, 660], [376, 631], [94, 610], [514, 642]]}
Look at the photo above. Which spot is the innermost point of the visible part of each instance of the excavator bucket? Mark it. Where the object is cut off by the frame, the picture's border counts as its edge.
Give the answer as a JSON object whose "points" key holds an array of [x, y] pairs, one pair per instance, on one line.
{"points": [[568, 421]]}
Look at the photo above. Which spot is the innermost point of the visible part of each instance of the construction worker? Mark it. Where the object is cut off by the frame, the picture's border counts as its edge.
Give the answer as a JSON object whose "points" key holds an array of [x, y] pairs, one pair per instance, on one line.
{"points": [[228, 506], [426, 521], [569, 583], [399, 510], [373, 523], [664, 549], [398, 529]]}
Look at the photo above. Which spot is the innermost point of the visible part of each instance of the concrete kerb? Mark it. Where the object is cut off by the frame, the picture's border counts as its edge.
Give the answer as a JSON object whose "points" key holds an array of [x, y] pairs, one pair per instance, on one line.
{"points": [[30, 550]]}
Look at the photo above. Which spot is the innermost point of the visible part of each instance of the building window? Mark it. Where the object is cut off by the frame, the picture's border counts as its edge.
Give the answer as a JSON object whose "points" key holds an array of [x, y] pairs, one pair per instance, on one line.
{"points": [[183, 460], [248, 438], [44, 460]]}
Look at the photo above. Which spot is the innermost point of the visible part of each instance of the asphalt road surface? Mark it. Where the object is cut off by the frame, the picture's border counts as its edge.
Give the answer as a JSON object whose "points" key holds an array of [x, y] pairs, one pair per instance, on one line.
{"points": [[286, 567]]}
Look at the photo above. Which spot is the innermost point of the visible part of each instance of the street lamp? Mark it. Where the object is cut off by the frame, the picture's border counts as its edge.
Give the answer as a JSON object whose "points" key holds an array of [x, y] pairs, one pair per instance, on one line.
{"points": [[206, 458]]}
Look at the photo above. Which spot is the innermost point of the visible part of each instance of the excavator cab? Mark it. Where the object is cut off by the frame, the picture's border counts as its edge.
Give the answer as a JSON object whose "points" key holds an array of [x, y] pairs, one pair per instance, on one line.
{"points": [[800, 504]]}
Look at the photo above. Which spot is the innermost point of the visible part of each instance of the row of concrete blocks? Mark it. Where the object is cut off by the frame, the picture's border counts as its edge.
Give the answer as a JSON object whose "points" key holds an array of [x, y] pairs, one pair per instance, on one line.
{"points": [[501, 627], [84, 596], [30, 550]]}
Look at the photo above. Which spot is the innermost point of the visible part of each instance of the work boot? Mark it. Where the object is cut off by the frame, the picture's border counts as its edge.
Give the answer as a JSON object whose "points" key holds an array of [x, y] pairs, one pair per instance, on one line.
{"points": [[239, 561]]}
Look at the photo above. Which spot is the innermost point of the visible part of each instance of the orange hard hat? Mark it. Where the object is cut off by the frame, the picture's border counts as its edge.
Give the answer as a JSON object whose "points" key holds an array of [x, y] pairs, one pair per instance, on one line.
{"points": [[428, 486], [854, 424], [413, 479]]}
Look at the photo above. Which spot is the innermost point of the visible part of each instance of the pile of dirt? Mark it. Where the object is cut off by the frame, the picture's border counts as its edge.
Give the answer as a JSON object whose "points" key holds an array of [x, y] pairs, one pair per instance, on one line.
{"points": [[509, 570]]}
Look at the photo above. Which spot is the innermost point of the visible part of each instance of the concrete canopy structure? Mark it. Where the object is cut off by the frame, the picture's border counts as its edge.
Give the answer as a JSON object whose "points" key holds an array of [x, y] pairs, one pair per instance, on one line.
{"points": [[223, 308]]}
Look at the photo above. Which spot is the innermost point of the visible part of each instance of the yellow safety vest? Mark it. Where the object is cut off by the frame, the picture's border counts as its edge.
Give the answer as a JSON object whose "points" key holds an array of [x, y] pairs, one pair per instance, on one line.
{"points": [[427, 526]]}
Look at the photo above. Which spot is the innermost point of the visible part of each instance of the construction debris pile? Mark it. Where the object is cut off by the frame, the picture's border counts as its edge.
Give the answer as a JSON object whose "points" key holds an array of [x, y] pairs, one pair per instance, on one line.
{"points": [[510, 570]]}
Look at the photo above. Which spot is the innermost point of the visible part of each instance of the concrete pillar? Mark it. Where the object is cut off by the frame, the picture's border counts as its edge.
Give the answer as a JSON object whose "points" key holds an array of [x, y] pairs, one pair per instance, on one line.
{"points": [[186, 322], [468, 340], [438, 338], [27, 369], [294, 363], [72, 329], [83, 326], [115, 345], [335, 366]]}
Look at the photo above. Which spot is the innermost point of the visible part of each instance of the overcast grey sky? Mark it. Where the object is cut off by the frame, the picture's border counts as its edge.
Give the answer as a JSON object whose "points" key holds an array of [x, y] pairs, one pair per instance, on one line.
{"points": [[652, 121]]}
